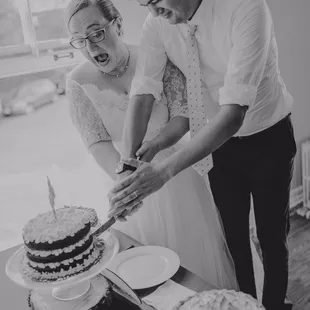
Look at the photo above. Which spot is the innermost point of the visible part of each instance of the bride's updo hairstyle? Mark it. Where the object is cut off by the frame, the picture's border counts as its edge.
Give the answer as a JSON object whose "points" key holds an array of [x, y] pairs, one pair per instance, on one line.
{"points": [[106, 7]]}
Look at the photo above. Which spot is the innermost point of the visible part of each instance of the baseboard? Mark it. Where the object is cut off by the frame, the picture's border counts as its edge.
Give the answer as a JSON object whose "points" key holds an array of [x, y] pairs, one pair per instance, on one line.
{"points": [[296, 203]]}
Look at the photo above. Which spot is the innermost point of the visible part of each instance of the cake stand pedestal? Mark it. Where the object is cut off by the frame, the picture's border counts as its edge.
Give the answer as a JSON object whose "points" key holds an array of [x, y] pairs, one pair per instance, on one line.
{"points": [[73, 287], [71, 292], [94, 298]]}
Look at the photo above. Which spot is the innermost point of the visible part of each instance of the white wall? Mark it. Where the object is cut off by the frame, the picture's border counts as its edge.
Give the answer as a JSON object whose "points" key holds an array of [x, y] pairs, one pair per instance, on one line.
{"points": [[292, 27]]}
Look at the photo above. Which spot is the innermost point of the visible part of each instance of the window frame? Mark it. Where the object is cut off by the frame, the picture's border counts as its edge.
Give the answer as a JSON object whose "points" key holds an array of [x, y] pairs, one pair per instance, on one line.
{"points": [[32, 48]]}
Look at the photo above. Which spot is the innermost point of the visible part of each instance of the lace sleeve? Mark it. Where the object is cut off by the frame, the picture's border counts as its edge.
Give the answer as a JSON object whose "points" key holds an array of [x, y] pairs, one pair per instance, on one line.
{"points": [[175, 90], [84, 115]]}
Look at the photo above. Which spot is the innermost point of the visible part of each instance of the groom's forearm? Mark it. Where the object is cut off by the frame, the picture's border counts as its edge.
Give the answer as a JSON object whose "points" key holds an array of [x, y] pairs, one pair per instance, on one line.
{"points": [[207, 140], [136, 122]]}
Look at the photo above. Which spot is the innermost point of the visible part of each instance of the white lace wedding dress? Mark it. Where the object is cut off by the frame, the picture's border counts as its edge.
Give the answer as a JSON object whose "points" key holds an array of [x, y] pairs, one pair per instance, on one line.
{"points": [[182, 215]]}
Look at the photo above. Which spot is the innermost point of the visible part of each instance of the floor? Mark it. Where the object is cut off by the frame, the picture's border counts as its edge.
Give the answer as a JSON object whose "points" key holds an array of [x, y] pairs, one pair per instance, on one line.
{"points": [[299, 246], [37, 141], [299, 262]]}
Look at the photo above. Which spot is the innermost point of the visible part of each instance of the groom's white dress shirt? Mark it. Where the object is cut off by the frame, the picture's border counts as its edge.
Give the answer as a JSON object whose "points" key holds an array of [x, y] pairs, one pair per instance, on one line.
{"points": [[238, 60]]}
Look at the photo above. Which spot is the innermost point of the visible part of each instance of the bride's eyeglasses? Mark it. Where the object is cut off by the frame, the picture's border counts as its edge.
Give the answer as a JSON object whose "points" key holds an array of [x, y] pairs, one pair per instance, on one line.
{"points": [[94, 37], [148, 2]]}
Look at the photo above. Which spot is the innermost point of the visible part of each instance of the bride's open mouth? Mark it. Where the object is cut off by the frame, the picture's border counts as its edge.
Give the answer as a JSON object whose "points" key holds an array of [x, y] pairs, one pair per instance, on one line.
{"points": [[102, 59]]}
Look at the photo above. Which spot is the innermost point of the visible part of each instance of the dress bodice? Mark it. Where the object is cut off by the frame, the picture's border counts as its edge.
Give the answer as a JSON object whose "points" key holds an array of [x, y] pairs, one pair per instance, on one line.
{"points": [[111, 107], [99, 114]]}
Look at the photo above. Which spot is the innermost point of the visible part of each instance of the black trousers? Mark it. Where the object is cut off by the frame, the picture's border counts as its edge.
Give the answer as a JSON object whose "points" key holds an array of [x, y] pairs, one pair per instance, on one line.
{"points": [[259, 165]]}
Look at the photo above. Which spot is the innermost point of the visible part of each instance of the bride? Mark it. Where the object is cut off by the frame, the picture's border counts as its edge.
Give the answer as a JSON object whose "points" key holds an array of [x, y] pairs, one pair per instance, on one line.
{"points": [[182, 215]]}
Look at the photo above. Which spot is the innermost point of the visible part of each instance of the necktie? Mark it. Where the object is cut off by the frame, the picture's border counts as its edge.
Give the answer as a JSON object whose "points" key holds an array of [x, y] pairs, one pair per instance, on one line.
{"points": [[195, 98]]}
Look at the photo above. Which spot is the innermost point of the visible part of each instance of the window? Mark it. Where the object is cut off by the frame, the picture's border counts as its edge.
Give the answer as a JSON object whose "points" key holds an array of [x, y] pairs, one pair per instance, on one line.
{"points": [[48, 18], [49, 24], [33, 36], [11, 32], [13, 37]]}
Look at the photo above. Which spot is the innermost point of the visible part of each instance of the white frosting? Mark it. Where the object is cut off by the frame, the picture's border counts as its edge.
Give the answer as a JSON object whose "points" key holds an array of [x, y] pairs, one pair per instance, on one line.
{"points": [[92, 213], [54, 276], [44, 227], [220, 300], [59, 251], [65, 262]]}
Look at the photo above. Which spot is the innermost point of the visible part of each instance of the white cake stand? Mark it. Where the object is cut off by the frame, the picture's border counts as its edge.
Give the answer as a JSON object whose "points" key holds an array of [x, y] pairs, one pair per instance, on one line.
{"points": [[73, 287]]}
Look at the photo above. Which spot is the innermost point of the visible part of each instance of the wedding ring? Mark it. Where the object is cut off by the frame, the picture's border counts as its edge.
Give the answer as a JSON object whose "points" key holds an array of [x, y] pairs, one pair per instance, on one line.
{"points": [[135, 195]]}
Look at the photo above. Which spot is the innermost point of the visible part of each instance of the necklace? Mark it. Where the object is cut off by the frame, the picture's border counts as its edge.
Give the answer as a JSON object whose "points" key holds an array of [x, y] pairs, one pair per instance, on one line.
{"points": [[125, 69]]}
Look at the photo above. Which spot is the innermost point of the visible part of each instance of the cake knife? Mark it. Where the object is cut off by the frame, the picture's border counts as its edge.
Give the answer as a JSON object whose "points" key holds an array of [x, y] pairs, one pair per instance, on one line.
{"points": [[104, 226]]}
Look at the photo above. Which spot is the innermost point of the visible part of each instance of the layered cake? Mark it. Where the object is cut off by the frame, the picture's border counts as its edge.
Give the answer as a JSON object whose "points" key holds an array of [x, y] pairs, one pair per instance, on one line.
{"points": [[57, 249], [219, 300]]}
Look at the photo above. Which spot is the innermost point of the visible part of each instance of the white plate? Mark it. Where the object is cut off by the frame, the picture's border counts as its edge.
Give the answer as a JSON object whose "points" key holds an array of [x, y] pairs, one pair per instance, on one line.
{"points": [[145, 266]]}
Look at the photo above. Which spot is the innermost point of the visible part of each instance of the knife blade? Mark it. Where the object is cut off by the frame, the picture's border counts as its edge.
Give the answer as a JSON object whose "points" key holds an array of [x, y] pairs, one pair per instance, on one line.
{"points": [[104, 226]]}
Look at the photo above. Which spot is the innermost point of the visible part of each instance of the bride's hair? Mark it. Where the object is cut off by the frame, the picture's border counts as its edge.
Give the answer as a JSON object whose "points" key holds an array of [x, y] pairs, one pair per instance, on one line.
{"points": [[106, 7]]}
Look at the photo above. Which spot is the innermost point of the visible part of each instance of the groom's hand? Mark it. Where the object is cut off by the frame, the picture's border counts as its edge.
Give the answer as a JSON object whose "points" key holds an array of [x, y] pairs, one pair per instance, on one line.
{"points": [[147, 179], [129, 212], [122, 216]]}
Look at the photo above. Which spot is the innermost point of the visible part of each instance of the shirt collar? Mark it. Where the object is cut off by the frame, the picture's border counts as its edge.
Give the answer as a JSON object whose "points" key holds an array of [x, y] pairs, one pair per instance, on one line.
{"points": [[203, 16]]}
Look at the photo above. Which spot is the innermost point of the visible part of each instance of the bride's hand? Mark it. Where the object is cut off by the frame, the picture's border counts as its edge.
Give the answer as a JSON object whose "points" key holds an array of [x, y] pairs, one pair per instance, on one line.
{"points": [[147, 151]]}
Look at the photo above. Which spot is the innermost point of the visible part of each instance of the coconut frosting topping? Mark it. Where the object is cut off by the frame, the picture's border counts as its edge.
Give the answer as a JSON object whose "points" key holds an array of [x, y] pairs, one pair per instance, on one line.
{"points": [[44, 227], [220, 300]]}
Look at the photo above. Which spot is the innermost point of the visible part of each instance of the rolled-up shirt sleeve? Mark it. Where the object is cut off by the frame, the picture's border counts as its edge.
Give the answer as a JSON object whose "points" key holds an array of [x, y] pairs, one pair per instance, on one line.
{"points": [[251, 34], [151, 62]]}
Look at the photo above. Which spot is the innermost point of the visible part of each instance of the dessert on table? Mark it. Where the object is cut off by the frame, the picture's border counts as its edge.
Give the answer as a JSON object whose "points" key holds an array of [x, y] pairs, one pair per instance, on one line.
{"points": [[61, 260], [55, 251], [59, 245], [219, 300]]}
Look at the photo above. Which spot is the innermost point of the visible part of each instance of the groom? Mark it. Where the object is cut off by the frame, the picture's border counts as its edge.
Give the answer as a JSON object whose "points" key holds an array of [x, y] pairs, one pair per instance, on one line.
{"points": [[239, 112]]}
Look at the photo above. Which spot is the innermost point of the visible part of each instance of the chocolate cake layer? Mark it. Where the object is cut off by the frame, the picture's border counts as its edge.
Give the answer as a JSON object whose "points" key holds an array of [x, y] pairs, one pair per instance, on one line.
{"points": [[60, 244], [63, 256], [64, 267]]}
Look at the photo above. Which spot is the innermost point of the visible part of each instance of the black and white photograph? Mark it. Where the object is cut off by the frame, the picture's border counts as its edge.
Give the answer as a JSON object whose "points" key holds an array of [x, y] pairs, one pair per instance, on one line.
{"points": [[154, 154]]}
